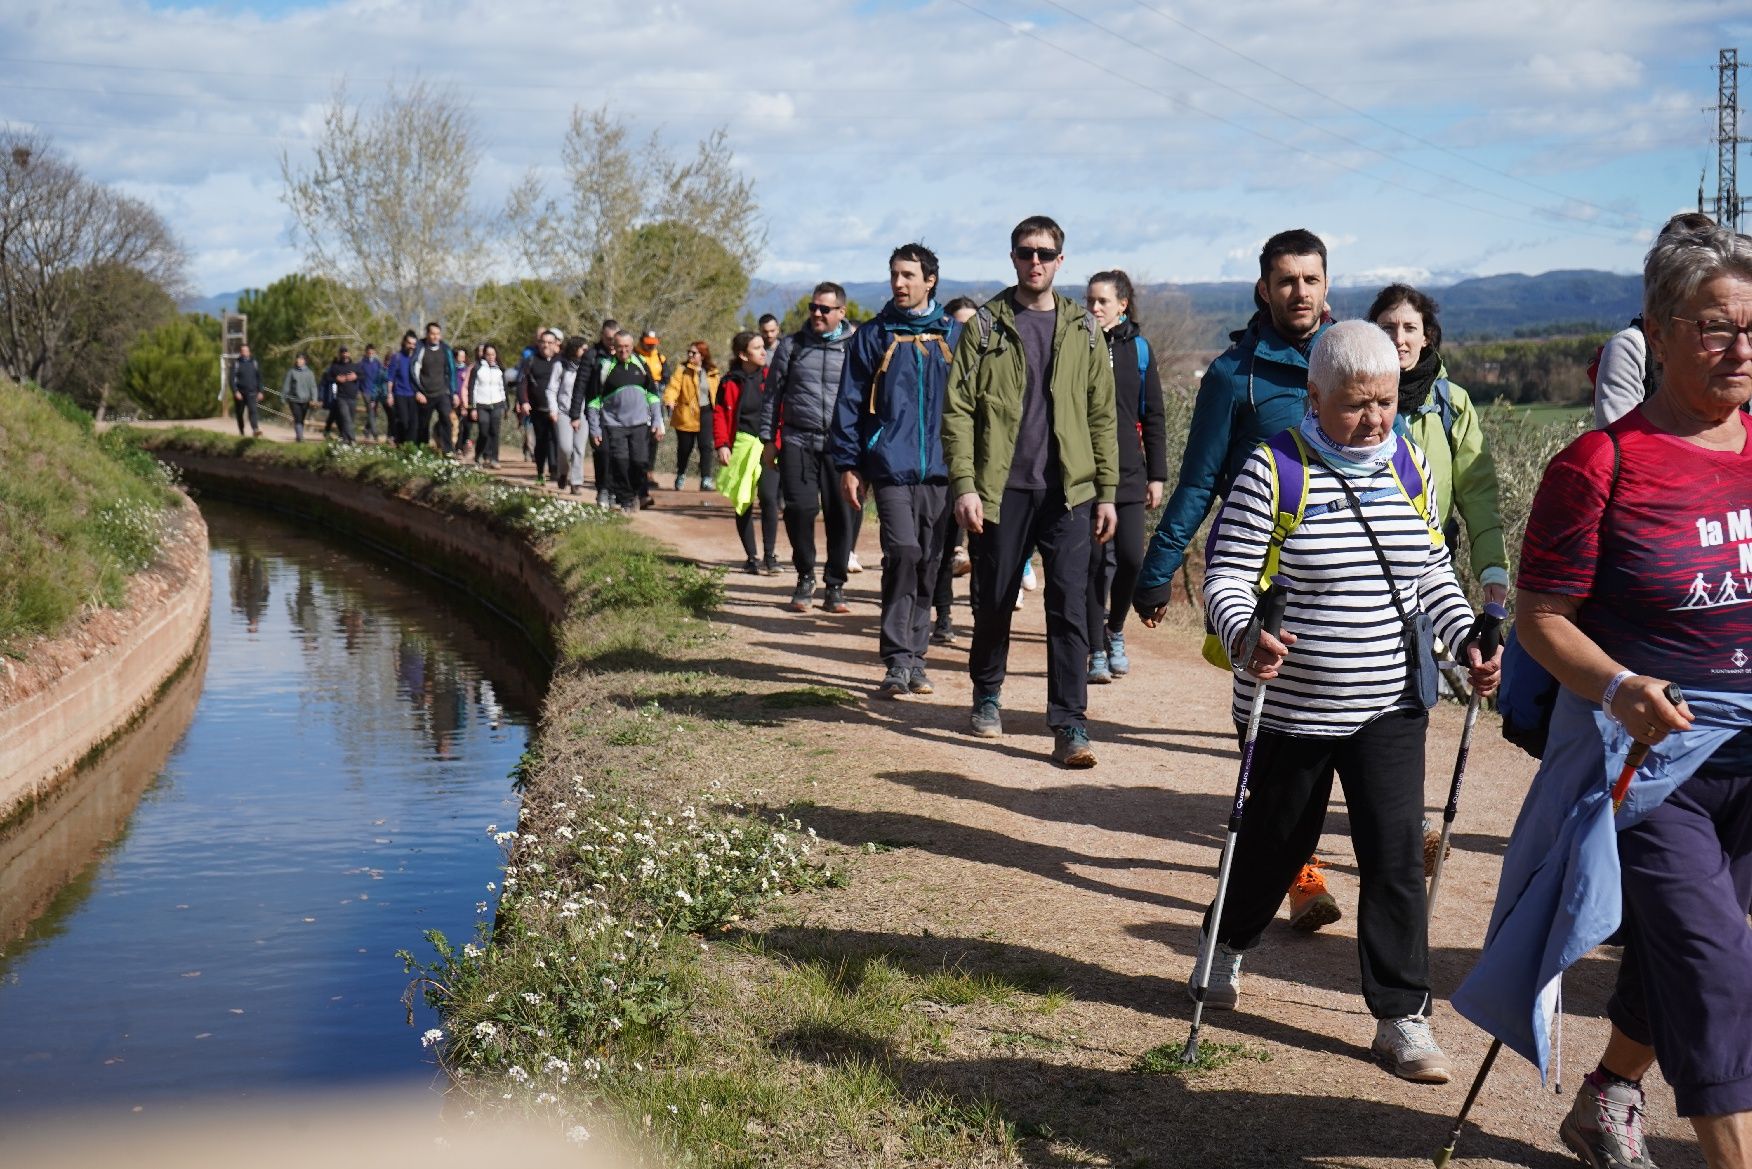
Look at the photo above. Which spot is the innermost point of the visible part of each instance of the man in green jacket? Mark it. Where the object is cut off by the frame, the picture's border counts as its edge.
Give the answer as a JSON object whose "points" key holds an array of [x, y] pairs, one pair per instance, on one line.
{"points": [[1028, 434]]}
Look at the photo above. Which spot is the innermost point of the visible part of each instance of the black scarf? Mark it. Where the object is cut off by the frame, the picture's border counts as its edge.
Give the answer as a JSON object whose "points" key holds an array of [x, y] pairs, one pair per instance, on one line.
{"points": [[1415, 383]]}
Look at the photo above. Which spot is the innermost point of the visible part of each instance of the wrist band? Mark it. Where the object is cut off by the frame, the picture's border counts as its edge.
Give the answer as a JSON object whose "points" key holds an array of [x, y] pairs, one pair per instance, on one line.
{"points": [[1612, 691]]}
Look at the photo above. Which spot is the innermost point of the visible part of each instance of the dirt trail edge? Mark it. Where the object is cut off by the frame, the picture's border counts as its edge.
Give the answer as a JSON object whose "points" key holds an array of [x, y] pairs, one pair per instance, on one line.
{"points": [[985, 856]]}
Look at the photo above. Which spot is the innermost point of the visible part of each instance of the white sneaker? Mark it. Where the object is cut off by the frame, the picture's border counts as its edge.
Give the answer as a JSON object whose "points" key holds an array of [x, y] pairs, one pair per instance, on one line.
{"points": [[1405, 1047], [1028, 581], [1225, 988], [852, 564], [1018, 598]]}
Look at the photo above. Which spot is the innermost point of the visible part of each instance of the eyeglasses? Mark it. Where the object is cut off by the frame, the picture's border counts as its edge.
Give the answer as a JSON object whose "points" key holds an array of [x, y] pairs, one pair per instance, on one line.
{"points": [[1036, 255], [1718, 336], [822, 310]]}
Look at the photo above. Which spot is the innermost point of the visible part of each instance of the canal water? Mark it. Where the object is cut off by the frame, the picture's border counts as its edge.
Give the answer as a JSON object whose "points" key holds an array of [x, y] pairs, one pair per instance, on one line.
{"points": [[212, 910]]}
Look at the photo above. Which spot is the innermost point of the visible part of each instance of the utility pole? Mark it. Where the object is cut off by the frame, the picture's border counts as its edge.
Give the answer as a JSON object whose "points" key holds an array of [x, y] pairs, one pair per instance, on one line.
{"points": [[1729, 204]]}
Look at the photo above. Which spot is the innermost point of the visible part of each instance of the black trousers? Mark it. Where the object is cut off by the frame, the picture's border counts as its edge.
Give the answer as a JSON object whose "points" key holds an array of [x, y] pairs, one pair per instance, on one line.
{"points": [[437, 420], [341, 414], [628, 447], [489, 420], [299, 411], [407, 415], [1382, 769], [545, 449], [767, 500], [1113, 575], [943, 596], [912, 520], [1030, 519], [250, 406], [686, 442], [810, 487]]}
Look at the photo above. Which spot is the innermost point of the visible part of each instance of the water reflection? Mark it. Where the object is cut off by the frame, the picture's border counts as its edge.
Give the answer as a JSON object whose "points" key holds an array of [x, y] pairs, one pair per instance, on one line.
{"points": [[325, 806]]}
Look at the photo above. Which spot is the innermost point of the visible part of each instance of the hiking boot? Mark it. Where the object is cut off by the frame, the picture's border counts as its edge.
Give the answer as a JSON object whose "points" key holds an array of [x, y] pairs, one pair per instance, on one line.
{"points": [[986, 722], [707, 484], [1099, 672], [679, 480], [943, 633], [1070, 748], [897, 683], [770, 566], [601, 497], [1311, 906], [751, 566], [646, 503], [803, 596], [852, 564], [1224, 990], [961, 563], [1405, 1047], [1117, 663], [835, 600], [1604, 1127], [918, 682]]}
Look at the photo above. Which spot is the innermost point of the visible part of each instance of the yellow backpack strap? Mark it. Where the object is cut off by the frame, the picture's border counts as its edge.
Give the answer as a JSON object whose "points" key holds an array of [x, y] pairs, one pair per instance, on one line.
{"points": [[1419, 499]]}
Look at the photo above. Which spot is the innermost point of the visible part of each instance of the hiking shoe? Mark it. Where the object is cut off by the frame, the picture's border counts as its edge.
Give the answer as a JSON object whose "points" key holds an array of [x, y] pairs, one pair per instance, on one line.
{"points": [[897, 683], [601, 497], [918, 682], [1018, 599], [679, 480], [943, 633], [1405, 1047], [835, 600], [1311, 906], [1099, 672], [751, 566], [1070, 747], [1117, 663], [1604, 1127], [1432, 847], [803, 596], [1028, 581], [961, 563], [986, 722], [707, 484], [852, 564], [646, 503], [1224, 990], [770, 565]]}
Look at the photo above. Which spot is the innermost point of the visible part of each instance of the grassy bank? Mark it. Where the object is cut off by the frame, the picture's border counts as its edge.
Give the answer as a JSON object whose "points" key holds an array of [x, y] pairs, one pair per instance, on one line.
{"points": [[79, 513], [623, 983]]}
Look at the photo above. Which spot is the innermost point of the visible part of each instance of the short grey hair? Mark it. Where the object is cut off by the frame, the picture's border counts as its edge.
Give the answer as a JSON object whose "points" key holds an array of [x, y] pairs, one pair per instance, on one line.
{"points": [[624, 333], [1351, 352], [1678, 265]]}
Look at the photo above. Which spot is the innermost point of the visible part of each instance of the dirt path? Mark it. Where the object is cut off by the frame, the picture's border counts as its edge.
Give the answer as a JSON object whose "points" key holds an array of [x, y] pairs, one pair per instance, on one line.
{"points": [[989, 856], [984, 855]]}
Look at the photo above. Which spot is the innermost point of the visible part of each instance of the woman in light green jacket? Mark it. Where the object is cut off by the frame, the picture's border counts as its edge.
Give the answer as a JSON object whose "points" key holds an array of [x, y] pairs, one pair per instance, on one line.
{"points": [[1443, 423], [299, 392]]}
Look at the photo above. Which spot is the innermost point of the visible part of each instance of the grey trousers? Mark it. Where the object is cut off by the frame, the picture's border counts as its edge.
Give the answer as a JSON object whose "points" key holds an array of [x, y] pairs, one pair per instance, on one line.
{"points": [[912, 520]]}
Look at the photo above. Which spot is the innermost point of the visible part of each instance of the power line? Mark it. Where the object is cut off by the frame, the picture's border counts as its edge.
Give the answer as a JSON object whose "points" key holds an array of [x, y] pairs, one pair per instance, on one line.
{"points": [[1267, 138], [1384, 124]]}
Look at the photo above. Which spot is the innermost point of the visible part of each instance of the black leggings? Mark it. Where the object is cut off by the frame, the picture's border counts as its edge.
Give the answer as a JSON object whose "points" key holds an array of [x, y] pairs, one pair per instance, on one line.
{"points": [[1113, 575], [685, 442], [768, 502]]}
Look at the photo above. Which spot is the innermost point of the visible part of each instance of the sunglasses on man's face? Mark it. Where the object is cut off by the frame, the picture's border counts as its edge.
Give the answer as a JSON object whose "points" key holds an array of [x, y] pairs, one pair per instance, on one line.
{"points": [[1036, 255], [822, 310]]}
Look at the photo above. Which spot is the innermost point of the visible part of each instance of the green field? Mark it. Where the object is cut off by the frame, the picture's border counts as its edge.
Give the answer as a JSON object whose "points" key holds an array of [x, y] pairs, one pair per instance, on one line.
{"points": [[1549, 414]]}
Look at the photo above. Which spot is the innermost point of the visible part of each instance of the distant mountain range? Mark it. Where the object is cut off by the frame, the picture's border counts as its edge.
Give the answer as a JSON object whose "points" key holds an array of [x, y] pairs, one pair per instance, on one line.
{"points": [[1480, 307]]}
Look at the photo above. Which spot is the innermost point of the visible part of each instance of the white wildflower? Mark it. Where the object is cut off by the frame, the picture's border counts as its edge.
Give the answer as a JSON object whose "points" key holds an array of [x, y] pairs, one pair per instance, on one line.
{"points": [[432, 1036]]}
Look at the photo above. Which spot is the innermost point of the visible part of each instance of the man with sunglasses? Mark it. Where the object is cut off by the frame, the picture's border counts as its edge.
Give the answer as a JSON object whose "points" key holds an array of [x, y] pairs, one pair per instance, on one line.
{"points": [[803, 379], [1029, 437]]}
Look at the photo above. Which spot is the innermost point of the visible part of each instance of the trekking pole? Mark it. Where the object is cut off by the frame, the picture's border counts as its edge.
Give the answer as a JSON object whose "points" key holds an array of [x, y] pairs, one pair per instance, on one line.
{"points": [[1487, 634], [1639, 752], [1268, 617]]}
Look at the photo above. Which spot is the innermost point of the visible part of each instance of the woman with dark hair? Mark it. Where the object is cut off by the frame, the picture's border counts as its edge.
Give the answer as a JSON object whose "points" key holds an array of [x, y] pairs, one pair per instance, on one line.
{"points": [[1143, 469], [736, 428], [1440, 419], [1634, 576], [487, 392], [688, 397]]}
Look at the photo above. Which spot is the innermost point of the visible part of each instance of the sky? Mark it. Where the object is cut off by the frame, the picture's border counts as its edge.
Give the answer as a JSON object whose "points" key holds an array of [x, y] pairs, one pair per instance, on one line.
{"points": [[1424, 141]]}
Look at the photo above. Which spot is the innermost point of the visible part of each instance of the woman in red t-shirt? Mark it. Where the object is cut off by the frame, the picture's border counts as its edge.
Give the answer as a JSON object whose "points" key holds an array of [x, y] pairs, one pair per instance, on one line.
{"points": [[1636, 572]]}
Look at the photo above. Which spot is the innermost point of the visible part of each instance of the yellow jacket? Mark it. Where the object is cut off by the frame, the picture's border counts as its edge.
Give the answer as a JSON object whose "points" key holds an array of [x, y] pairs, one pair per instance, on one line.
{"points": [[687, 397], [653, 362]]}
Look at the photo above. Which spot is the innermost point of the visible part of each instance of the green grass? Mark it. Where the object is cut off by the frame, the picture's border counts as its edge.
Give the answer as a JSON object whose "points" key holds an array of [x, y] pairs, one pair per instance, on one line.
{"points": [[1549, 414], [1165, 1059], [803, 697], [79, 513]]}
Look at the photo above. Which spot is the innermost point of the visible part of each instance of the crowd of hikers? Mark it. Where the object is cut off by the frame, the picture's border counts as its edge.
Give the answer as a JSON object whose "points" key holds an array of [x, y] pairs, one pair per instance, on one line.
{"points": [[1350, 474]]}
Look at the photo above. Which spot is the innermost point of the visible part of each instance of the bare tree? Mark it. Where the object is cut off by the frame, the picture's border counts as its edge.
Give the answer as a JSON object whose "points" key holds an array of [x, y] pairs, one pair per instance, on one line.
{"points": [[638, 235], [83, 270], [383, 208]]}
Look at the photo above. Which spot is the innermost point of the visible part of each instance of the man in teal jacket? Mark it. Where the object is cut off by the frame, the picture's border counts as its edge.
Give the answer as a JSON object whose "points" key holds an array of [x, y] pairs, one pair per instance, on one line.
{"points": [[1258, 387]]}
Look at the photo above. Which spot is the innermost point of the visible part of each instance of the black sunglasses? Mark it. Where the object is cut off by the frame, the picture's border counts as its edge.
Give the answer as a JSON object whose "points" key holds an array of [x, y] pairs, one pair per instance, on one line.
{"points": [[1042, 255], [823, 309]]}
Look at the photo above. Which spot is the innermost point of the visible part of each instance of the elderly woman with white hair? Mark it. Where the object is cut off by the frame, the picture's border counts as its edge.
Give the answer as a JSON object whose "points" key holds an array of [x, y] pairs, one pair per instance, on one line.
{"points": [[1340, 511]]}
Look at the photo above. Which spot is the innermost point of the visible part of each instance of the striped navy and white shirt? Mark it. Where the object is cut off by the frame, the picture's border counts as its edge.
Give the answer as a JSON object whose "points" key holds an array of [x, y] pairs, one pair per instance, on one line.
{"points": [[1348, 664]]}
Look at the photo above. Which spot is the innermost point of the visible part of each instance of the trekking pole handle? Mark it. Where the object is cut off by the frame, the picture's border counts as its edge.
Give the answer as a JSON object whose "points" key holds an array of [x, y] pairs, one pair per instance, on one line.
{"points": [[1268, 617], [1486, 632], [1639, 752]]}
